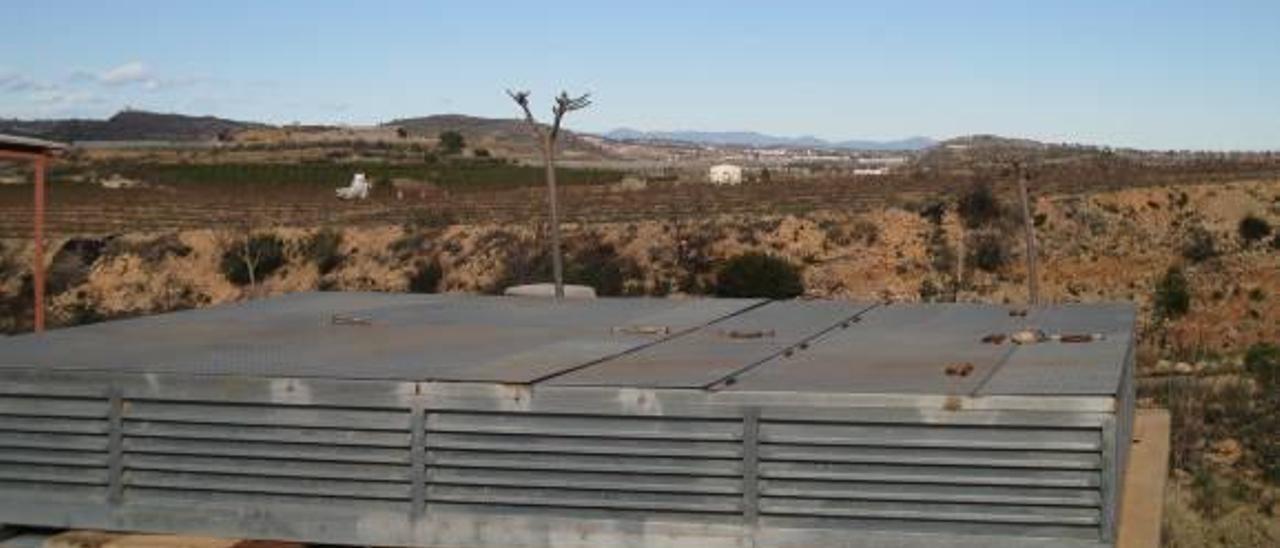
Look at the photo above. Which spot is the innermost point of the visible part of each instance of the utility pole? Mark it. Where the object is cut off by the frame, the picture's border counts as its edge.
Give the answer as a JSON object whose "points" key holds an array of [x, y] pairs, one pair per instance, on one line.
{"points": [[547, 141], [1033, 277]]}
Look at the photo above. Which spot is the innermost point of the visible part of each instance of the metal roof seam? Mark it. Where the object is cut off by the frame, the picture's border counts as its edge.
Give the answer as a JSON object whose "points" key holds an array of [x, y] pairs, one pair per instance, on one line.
{"points": [[728, 379], [1008, 355], [634, 349]]}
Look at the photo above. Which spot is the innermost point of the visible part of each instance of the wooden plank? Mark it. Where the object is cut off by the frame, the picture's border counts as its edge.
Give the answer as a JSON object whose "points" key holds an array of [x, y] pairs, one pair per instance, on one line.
{"points": [[1144, 481]]}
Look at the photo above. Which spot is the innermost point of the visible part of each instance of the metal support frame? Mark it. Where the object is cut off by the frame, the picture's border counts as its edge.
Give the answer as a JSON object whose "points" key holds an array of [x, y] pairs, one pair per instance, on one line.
{"points": [[39, 163], [751, 465], [115, 447], [418, 459], [38, 240]]}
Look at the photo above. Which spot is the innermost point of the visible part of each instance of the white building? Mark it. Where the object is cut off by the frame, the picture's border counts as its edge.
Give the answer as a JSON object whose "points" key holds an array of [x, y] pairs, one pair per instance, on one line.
{"points": [[726, 174], [871, 171]]}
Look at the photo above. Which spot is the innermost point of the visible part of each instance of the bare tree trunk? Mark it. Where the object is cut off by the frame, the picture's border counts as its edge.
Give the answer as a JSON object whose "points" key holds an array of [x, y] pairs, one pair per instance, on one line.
{"points": [[250, 261], [563, 105], [557, 264], [1033, 282]]}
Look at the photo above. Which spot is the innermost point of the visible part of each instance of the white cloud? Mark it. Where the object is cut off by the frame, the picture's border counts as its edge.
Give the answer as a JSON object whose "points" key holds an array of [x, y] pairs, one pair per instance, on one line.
{"points": [[13, 82], [133, 72]]}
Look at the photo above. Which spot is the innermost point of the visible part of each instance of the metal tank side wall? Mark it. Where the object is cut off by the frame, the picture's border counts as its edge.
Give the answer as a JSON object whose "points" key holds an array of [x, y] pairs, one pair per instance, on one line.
{"points": [[480, 464]]}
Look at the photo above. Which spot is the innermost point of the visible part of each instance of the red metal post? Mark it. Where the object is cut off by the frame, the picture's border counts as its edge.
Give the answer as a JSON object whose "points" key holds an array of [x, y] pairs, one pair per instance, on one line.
{"points": [[37, 266]]}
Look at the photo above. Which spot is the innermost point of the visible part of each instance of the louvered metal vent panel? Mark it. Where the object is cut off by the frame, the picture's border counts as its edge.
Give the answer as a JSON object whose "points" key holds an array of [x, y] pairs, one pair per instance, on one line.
{"points": [[958, 478], [655, 465], [258, 453], [53, 446]]}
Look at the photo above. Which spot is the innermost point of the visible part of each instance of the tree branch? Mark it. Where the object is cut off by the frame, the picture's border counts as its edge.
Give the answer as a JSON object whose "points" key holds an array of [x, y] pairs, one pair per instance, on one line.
{"points": [[564, 105], [522, 98]]}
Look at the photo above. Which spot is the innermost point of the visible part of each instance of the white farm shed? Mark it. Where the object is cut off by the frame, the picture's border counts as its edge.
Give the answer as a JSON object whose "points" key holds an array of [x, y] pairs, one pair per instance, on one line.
{"points": [[726, 174]]}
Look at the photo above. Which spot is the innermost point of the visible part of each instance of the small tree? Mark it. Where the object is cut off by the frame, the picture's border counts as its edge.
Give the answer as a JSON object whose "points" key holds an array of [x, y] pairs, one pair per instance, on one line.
{"points": [[759, 275], [1173, 295], [324, 248], [599, 266], [451, 143], [979, 207], [1262, 360], [1253, 228], [987, 252], [547, 138], [1200, 245], [425, 278], [252, 259]]}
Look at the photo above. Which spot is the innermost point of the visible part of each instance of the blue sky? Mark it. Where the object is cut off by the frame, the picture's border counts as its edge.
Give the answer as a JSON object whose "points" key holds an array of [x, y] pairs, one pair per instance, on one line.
{"points": [[1151, 74]]}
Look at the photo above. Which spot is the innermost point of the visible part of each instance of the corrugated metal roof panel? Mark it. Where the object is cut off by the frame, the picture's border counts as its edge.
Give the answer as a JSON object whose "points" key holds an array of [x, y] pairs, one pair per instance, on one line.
{"points": [[718, 350], [1056, 368], [404, 337], [893, 349]]}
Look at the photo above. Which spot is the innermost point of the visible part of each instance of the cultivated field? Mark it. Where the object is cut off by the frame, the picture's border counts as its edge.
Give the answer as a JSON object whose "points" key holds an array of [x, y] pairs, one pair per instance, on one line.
{"points": [[257, 195]]}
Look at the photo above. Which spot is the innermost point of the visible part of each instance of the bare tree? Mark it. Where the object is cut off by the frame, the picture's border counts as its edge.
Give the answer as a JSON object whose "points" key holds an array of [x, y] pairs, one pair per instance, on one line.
{"points": [[547, 139], [1033, 276]]}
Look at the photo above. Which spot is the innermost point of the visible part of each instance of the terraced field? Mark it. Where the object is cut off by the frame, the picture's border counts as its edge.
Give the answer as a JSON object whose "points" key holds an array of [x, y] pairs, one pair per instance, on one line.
{"points": [[80, 209]]}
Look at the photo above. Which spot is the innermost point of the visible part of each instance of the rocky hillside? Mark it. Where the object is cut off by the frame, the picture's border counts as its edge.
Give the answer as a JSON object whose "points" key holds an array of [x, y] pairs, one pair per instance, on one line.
{"points": [[130, 125], [1105, 246], [1201, 261]]}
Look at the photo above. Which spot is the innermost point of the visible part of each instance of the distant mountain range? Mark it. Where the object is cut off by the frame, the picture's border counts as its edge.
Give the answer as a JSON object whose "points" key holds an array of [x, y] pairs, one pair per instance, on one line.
{"points": [[129, 125], [761, 140], [137, 125]]}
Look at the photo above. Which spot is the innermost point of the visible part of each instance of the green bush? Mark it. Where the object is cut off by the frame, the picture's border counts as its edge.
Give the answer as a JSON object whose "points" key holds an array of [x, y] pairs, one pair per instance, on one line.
{"points": [[595, 264], [759, 275], [979, 207], [1262, 360], [1253, 228], [72, 263], [929, 291], [598, 265], [426, 277], [8, 266], [987, 252], [1173, 295], [451, 143], [1200, 245], [251, 260], [324, 248]]}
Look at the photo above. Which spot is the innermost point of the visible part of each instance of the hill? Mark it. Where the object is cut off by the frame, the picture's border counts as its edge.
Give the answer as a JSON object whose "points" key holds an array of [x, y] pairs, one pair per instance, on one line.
{"points": [[756, 139], [130, 125], [509, 135]]}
